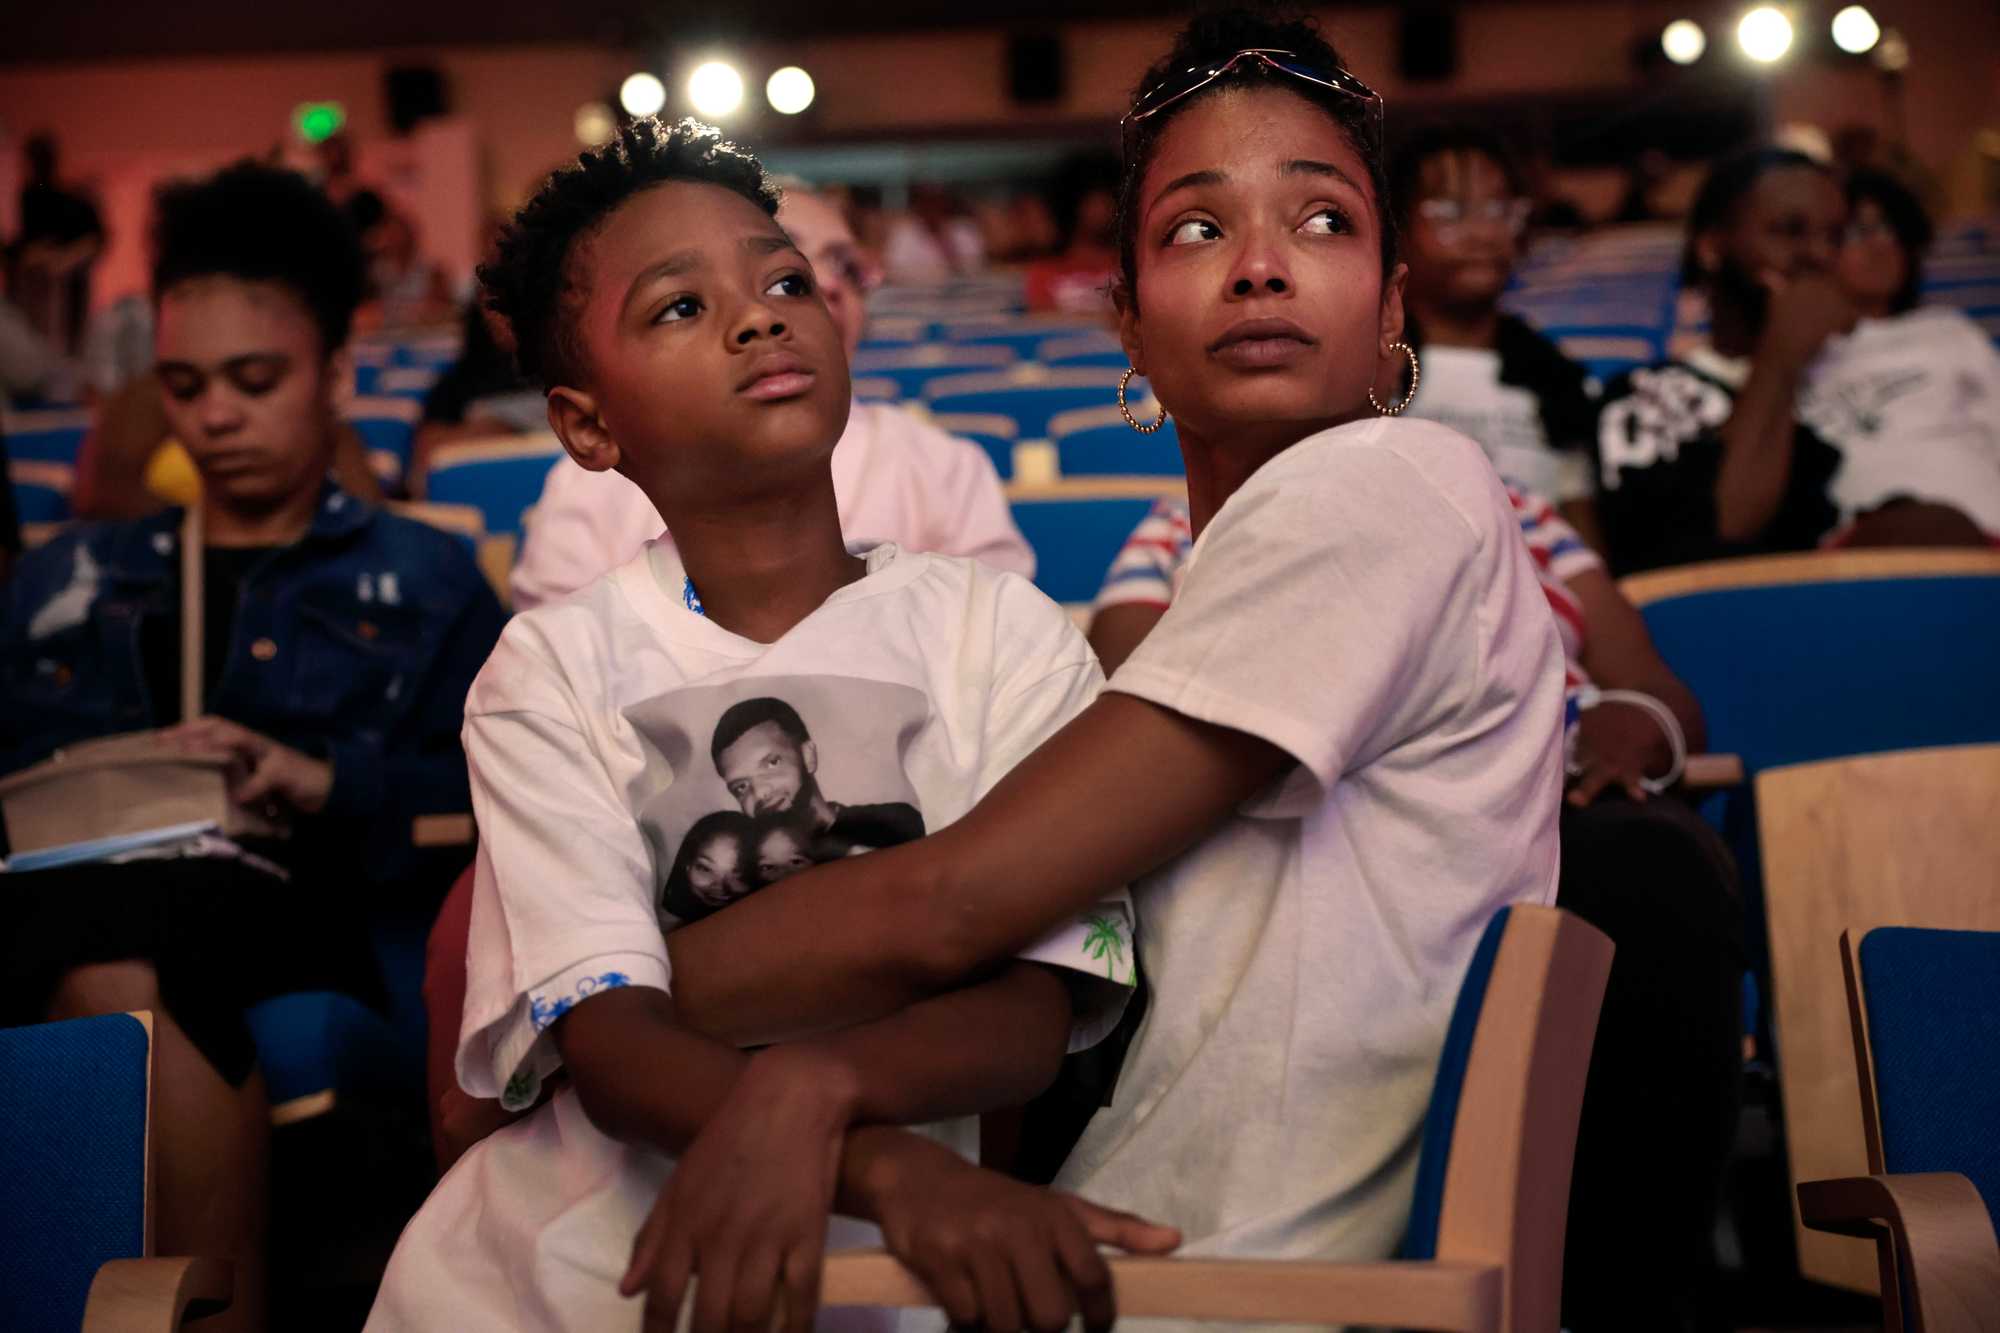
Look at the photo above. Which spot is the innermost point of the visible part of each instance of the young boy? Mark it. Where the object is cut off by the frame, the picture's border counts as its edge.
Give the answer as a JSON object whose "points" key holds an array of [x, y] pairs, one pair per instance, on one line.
{"points": [[680, 340]]}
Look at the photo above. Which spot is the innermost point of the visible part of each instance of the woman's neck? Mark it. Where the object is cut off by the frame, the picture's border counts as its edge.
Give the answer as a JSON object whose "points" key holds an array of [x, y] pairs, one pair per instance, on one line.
{"points": [[767, 562], [280, 525], [1216, 473], [1458, 326]]}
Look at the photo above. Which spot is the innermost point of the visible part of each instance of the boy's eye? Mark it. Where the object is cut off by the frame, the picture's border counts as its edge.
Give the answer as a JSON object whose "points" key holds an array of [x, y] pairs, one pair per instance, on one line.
{"points": [[792, 284], [1193, 230], [681, 307], [1327, 222]]}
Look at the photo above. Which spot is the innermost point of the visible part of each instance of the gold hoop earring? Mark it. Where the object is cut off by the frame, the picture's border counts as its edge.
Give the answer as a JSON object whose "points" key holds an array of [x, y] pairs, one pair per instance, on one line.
{"points": [[1126, 412], [1416, 373]]}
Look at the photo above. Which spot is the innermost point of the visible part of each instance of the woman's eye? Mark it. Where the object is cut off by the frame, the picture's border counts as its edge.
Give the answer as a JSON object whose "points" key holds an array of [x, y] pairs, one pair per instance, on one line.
{"points": [[1192, 231], [792, 284], [256, 386], [681, 307], [182, 390], [1328, 222]]}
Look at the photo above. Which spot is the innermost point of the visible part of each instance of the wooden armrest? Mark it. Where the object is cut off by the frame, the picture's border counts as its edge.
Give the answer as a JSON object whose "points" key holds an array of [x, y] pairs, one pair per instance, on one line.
{"points": [[1942, 1232], [441, 831], [1707, 772], [153, 1295], [1445, 1298]]}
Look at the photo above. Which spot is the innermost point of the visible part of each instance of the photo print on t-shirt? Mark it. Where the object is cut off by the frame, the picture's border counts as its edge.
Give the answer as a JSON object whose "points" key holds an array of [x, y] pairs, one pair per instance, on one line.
{"points": [[763, 777]]}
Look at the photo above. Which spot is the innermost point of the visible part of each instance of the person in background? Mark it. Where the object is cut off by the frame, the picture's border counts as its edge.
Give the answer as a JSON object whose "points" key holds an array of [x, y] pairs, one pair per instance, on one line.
{"points": [[1642, 867], [405, 290], [1078, 277], [1738, 447], [1913, 394], [897, 478], [338, 646], [1464, 208], [60, 239], [28, 364], [481, 396]]}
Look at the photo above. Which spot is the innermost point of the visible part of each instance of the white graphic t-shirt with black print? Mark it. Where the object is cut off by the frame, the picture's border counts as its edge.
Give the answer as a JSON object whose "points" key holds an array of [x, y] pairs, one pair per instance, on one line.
{"points": [[635, 765]]}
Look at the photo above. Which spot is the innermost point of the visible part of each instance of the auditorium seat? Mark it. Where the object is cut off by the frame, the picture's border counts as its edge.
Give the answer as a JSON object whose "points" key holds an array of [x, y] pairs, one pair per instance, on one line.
{"points": [[1032, 396], [1923, 1007], [1483, 1249], [1907, 837], [913, 367], [42, 491], [1097, 442], [500, 478], [75, 1172], [1077, 528], [388, 428], [1099, 348], [991, 431], [46, 436]]}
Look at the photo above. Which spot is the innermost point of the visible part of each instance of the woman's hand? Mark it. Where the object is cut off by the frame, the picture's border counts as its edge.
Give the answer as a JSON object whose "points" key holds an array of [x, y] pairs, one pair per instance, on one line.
{"points": [[272, 772], [1618, 744], [996, 1254], [745, 1211]]}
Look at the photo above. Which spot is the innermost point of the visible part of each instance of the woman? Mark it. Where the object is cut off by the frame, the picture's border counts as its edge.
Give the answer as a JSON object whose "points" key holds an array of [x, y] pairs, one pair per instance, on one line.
{"points": [[1333, 760], [715, 866], [1649, 873]]}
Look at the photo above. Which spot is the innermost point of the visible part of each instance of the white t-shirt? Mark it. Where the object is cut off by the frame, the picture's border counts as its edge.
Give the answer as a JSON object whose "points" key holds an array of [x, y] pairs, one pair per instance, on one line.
{"points": [[1460, 387], [896, 478], [1913, 405], [606, 733], [1306, 954]]}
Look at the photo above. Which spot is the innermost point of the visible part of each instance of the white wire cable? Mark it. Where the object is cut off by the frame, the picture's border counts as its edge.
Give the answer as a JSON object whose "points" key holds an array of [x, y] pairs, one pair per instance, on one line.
{"points": [[1589, 696]]}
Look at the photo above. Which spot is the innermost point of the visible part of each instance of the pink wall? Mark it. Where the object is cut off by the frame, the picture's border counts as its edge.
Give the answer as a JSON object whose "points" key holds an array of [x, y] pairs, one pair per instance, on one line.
{"points": [[126, 125]]}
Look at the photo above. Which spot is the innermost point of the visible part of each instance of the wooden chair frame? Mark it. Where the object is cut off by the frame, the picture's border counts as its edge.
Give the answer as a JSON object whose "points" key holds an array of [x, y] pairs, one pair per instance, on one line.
{"points": [[1506, 1196], [1934, 1240], [1810, 567], [1901, 837], [148, 1294]]}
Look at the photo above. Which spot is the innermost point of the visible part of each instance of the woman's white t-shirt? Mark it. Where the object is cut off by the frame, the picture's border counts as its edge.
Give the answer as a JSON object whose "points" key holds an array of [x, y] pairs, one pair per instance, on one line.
{"points": [[599, 737], [1365, 603]]}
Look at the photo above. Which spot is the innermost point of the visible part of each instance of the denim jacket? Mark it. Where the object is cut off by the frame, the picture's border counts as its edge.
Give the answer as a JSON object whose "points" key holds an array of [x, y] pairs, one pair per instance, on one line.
{"points": [[357, 644]]}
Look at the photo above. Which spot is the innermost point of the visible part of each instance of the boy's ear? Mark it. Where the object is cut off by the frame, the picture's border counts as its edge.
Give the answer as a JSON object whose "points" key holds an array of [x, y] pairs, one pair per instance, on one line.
{"points": [[573, 417]]}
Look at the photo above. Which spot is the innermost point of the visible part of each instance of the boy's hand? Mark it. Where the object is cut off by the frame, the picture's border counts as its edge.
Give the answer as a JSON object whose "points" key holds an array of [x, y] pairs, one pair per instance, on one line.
{"points": [[746, 1209], [996, 1254]]}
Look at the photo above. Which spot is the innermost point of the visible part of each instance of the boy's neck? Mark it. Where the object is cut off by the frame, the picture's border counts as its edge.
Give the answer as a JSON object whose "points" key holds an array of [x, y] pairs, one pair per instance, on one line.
{"points": [[763, 565]]}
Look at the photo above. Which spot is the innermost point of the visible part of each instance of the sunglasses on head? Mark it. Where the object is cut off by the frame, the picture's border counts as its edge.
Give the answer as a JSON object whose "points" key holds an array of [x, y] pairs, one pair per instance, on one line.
{"points": [[1196, 77]]}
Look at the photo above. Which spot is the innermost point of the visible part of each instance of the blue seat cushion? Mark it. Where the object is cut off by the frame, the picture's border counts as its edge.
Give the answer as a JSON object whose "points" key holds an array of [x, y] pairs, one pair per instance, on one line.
{"points": [[73, 1164], [1933, 1000]]}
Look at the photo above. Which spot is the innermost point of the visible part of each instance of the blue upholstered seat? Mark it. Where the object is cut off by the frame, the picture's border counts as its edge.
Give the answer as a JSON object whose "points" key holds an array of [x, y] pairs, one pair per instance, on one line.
{"points": [[1075, 540], [72, 1164], [1933, 1001]]}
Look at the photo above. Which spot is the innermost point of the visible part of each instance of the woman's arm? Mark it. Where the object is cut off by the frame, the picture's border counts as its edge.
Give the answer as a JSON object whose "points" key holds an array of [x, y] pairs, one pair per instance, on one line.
{"points": [[1119, 790], [1119, 628]]}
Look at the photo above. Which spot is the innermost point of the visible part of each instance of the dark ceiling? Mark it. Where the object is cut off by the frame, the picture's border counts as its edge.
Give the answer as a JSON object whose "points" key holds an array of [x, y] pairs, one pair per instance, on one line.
{"points": [[36, 31], [45, 30]]}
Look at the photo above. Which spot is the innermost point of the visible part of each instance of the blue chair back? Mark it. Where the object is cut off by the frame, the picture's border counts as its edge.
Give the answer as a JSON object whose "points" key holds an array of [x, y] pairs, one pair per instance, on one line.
{"points": [[73, 1166], [54, 436], [1075, 540], [1114, 449], [1787, 673], [1032, 404], [1933, 1002], [1441, 1118], [40, 502], [995, 434], [913, 367], [501, 486], [387, 425]]}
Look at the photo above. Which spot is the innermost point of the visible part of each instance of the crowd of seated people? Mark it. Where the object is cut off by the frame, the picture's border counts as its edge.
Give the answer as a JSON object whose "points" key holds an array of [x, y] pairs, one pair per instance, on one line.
{"points": [[1824, 407]]}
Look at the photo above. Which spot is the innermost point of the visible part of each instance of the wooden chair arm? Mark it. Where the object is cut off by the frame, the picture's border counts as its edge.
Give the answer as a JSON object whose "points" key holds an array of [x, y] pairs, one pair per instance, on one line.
{"points": [[1443, 1297], [1942, 1233], [153, 1295], [442, 831], [1710, 772]]}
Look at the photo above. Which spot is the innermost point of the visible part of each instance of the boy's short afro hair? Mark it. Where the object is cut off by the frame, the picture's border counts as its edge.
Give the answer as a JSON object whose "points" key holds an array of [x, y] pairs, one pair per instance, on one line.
{"points": [[529, 282], [261, 223]]}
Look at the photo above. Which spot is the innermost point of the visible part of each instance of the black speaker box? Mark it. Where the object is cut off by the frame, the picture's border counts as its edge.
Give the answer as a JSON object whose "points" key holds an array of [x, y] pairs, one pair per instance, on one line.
{"points": [[415, 93], [1428, 45], [1035, 73]]}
